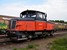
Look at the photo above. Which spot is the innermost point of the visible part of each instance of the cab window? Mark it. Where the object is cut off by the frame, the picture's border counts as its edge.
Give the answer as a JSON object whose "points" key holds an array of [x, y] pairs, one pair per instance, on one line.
{"points": [[40, 16]]}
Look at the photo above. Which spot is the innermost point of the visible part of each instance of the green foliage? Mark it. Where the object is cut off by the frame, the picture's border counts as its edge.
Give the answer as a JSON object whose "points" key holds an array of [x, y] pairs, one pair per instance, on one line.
{"points": [[60, 21], [65, 22], [31, 46], [15, 49], [51, 20], [59, 44]]}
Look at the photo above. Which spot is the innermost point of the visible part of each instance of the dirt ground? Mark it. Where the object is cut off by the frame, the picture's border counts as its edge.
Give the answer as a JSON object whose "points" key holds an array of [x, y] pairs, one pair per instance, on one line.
{"points": [[43, 43]]}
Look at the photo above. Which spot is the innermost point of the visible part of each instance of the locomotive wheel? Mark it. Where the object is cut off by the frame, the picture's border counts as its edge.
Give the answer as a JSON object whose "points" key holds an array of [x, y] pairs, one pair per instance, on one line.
{"points": [[44, 34], [51, 33], [30, 35]]}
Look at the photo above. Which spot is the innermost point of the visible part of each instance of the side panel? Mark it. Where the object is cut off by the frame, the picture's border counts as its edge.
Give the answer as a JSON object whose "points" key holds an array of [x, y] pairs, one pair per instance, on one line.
{"points": [[21, 25], [40, 25], [30, 25], [25, 26], [50, 26]]}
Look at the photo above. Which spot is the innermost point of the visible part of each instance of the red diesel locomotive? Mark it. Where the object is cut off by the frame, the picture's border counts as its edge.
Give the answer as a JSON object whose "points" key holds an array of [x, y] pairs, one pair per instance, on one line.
{"points": [[31, 24]]}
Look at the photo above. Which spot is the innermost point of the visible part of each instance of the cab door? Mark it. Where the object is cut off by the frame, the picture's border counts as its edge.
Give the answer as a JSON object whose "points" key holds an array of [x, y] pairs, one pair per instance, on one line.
{"points": [[41, 24]]}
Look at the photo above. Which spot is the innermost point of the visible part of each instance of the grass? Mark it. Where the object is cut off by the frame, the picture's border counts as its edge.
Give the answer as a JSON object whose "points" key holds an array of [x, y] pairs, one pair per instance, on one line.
{"points": [[59, 44], [29, 47], [32, 46]]}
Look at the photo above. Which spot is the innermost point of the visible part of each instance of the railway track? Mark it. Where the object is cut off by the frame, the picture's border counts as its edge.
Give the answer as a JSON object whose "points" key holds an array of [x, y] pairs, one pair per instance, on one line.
{"points": [[5, 40]]}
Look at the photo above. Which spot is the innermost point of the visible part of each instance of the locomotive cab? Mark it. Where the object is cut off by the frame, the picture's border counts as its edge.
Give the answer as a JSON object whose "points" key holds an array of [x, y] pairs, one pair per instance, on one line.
{"points": [[36, 15]]}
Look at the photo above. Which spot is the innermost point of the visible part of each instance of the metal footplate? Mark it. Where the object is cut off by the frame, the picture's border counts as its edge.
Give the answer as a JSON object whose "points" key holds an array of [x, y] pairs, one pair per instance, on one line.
{"points": [[22, 38]]}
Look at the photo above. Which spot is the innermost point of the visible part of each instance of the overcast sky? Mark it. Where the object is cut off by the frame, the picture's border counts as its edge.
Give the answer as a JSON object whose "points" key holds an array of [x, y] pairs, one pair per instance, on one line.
{"points": [[55, 9]]}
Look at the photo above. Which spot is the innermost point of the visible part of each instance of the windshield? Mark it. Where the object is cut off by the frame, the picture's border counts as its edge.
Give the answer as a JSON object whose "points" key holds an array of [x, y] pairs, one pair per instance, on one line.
{"points": [[28, 15]]}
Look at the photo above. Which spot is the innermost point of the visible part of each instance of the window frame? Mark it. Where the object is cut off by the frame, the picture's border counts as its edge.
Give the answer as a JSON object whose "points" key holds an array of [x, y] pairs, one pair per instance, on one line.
{"points": [[43, 17]]}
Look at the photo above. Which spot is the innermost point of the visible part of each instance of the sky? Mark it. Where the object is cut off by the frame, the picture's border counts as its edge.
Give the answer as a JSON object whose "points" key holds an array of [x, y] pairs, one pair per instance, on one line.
{"points": [[55, 9]]}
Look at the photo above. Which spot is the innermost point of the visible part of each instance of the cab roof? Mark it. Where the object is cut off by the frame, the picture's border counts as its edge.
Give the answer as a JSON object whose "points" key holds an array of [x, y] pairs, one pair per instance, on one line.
{"points": [[32, 11]]}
